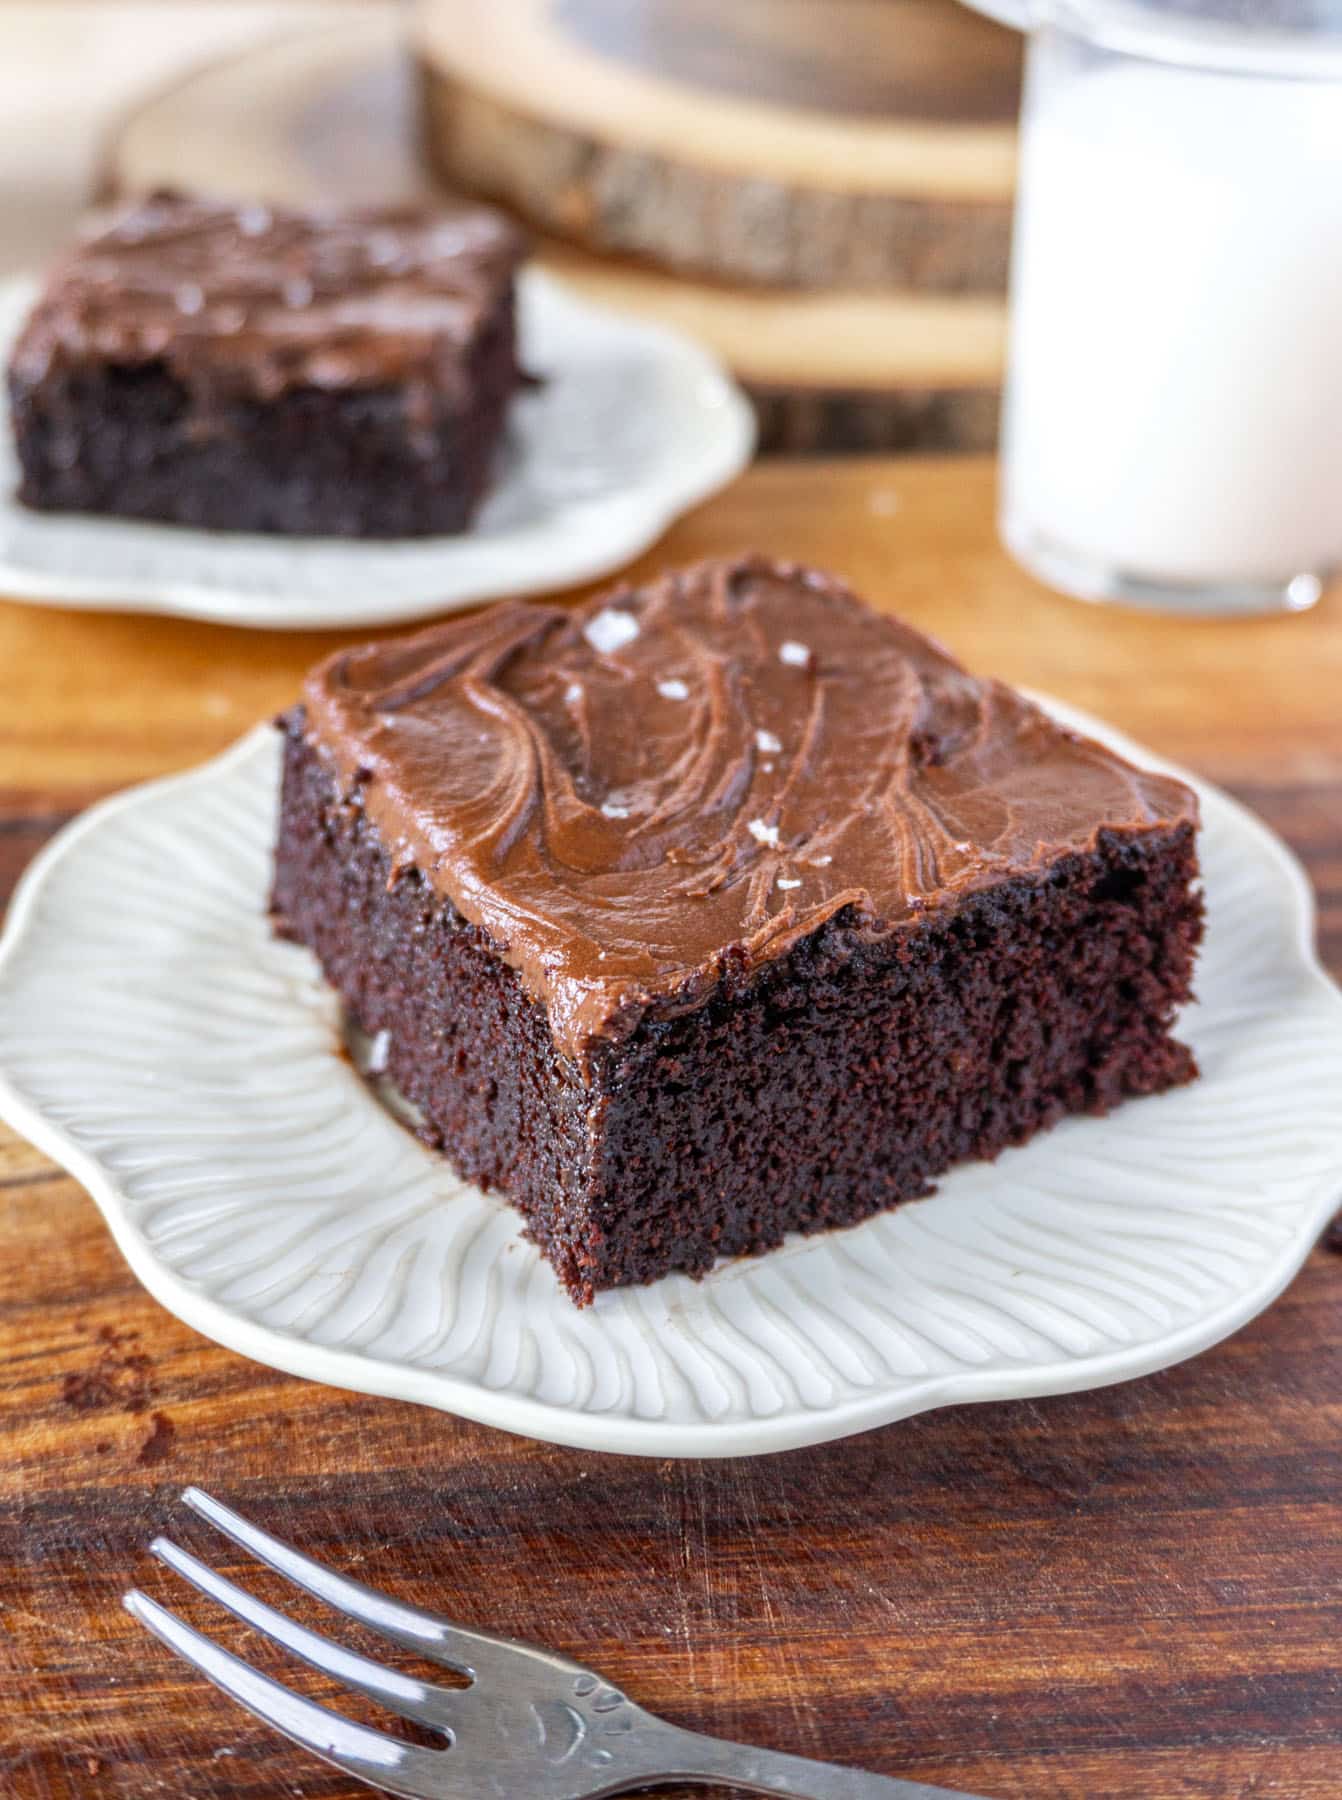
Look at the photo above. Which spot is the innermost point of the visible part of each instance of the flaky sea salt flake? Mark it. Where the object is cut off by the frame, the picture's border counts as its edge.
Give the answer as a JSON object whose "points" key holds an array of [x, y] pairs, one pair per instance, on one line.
{"points": [[797, 656], [673, 689], [764, 834], [610, 630], [768, 743]]}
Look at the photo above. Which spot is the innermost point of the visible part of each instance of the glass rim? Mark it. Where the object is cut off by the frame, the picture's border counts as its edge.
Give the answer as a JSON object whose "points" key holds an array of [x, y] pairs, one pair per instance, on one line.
{"points": [[1301, 53]]}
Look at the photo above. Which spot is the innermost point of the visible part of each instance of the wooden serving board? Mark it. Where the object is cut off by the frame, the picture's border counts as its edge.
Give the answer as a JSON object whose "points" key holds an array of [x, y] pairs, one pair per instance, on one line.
{"points": [[333, 115], [1133, 1594], [854, 143]]}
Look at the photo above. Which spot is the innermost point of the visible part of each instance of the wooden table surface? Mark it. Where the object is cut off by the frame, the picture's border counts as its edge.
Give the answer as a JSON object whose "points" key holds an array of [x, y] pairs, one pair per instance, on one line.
{"points": [[1131, 1593]]}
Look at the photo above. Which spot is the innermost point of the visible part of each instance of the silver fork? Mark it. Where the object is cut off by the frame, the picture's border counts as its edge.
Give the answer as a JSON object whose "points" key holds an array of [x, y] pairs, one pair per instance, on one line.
{"points": [[529, 1726]]}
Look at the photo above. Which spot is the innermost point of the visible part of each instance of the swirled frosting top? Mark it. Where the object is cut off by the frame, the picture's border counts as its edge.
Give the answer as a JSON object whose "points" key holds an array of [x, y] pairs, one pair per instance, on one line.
{"points": [[261, 299], [676, 781]]}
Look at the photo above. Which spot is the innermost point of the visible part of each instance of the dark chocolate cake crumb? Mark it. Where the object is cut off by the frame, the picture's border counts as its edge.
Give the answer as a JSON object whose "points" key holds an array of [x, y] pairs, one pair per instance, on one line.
{"points": [[341, 373], [676, 993]]}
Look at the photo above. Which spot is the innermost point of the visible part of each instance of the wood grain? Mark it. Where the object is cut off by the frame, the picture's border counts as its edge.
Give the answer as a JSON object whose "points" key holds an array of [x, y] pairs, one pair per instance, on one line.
{"points": [[862, 143], [330, 115], [883, 60], [1134, 1594]]}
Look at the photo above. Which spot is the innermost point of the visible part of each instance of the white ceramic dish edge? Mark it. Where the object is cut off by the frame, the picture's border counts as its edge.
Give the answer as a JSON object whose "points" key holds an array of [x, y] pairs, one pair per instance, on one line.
{"points": [[536, 1418]]}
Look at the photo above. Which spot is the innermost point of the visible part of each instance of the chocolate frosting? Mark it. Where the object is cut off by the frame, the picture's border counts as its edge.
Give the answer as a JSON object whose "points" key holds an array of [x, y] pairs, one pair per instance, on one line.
{"points": [[634, 796], [257, 299]]}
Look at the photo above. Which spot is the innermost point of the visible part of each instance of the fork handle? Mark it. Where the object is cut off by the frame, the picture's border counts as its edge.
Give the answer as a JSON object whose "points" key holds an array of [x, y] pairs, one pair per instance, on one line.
{"points": [[723, 1764]]}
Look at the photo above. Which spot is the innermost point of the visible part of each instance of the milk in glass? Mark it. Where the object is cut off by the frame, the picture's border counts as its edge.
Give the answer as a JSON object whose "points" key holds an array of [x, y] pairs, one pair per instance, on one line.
{"points": [[1174, 414]]}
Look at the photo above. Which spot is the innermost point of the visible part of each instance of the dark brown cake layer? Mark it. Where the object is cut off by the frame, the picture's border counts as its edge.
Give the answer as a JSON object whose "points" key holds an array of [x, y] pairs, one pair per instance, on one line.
{"points": [[768, 951], [343, 374], [832, 1083]]}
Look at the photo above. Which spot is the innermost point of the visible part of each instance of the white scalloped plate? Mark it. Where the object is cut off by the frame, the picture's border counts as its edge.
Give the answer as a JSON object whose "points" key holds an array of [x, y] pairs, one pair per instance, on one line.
{"points": [[632, 426], [157, 1041]]}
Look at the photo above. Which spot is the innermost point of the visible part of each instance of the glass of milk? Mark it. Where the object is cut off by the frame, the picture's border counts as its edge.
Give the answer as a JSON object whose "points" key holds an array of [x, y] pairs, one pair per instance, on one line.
{"points": [[1173, 424]]}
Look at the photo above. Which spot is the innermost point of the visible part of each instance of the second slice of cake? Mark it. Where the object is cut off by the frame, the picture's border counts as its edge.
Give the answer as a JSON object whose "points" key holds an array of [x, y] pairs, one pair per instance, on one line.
{"points": [[727, 907], [248, 368]]}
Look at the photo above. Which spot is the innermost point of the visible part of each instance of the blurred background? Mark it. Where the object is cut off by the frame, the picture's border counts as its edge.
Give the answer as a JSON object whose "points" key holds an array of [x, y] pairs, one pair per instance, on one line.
{"points": [[820, 189]]}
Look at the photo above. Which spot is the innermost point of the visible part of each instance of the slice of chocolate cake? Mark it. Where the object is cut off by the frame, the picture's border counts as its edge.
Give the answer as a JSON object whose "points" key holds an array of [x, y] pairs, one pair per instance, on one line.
{"points": [[247, 368], [726, 907]]}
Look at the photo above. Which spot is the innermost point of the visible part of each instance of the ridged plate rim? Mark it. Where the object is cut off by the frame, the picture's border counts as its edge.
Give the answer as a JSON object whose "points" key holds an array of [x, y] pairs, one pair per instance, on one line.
{"points": [[1313, 1195]]}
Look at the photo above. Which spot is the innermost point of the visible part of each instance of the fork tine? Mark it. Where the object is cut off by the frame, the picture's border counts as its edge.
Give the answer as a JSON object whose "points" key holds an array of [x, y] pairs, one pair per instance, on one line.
{"points": [[409, 1626], [370, 1756], [401, 1693]]}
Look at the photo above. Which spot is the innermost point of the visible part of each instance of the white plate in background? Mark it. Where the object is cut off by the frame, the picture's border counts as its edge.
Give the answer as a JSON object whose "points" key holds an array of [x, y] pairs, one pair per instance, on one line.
{"points": [[631, 425]]}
